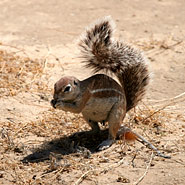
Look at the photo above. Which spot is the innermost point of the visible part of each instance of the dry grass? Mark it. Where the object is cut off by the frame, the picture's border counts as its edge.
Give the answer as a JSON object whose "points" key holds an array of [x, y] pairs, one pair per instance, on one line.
{"points": [[47, 151], [21, 74]]}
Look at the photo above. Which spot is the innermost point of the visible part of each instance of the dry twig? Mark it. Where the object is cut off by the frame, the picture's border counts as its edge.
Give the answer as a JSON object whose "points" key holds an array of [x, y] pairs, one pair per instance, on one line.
{"points": [[83, 176], [100, 170], [146, 171]]}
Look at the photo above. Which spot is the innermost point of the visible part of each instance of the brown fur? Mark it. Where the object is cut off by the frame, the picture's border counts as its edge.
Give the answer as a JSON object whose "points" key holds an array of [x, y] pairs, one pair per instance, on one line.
{"points": [[100, 98]]}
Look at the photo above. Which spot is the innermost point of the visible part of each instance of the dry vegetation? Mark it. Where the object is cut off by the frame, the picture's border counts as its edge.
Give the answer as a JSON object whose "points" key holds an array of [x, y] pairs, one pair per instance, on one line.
{"points": [[53, 149]]}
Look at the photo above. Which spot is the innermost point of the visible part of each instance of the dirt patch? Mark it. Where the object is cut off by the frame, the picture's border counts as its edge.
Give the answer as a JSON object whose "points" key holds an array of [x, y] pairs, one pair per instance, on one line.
{"points": [[39, 145]]}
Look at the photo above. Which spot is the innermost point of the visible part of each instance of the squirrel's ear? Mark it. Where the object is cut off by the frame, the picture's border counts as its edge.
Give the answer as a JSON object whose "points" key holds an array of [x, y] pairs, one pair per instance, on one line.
{"points": [[75, 82], [67, 88]]}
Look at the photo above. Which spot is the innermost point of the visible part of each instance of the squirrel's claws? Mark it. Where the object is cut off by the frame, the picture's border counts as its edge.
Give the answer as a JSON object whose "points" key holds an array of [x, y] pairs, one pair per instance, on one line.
{"points": [[53, 103], [105, 144]]}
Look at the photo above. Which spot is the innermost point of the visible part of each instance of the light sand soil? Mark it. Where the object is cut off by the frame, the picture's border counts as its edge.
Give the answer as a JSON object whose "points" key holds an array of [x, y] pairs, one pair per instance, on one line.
{"points": [[38, 46]]}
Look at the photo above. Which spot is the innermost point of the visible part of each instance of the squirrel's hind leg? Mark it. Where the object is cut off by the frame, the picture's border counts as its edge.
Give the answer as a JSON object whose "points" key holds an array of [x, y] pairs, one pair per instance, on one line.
{"points": [[94, 126], [115, 118]]}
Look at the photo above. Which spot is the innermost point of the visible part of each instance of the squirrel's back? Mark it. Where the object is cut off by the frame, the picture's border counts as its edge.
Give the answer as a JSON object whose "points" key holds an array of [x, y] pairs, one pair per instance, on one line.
{"points": [[101, 52]]}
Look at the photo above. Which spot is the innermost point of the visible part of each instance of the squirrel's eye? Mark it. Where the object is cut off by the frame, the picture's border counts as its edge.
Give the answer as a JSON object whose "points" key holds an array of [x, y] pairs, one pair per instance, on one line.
{"points": [[67, 88]]}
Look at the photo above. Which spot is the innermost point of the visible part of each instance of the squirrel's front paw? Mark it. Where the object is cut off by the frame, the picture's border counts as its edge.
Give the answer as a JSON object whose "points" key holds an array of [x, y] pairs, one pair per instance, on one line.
{"points": [[56, 104], [105, 144]]}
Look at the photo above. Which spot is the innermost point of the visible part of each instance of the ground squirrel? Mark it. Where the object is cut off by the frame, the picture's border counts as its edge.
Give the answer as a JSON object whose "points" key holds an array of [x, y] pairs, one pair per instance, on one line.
{"points": [[100, 98]]}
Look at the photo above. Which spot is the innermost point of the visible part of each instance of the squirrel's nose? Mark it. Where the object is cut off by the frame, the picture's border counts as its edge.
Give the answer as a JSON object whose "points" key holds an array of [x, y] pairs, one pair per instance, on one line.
{"points": [[53, 103]]}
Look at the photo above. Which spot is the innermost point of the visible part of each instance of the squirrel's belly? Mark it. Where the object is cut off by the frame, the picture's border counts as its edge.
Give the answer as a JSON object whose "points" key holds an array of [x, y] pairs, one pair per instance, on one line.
{"points": [[97, 109]]}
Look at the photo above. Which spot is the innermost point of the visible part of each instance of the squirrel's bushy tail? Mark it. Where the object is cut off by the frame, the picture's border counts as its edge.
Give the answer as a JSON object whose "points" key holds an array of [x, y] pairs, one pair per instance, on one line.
{"points": [[101, 52]]}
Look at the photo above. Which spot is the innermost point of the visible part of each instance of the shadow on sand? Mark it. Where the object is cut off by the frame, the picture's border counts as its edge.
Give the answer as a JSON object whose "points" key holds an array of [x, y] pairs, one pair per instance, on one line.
{"points": [[67, 145]]}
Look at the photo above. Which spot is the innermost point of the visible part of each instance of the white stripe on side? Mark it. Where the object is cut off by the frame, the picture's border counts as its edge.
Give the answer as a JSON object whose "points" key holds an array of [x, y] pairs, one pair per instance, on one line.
{"points": [[106, 89]]}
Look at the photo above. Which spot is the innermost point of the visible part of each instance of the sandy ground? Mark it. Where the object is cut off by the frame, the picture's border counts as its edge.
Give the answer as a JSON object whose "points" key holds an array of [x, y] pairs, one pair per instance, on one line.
{"points": [[39, 38]]}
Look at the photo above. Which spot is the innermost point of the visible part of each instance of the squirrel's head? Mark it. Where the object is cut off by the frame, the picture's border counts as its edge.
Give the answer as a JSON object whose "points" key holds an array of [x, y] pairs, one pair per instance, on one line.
{"points": [[65, 90]]}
